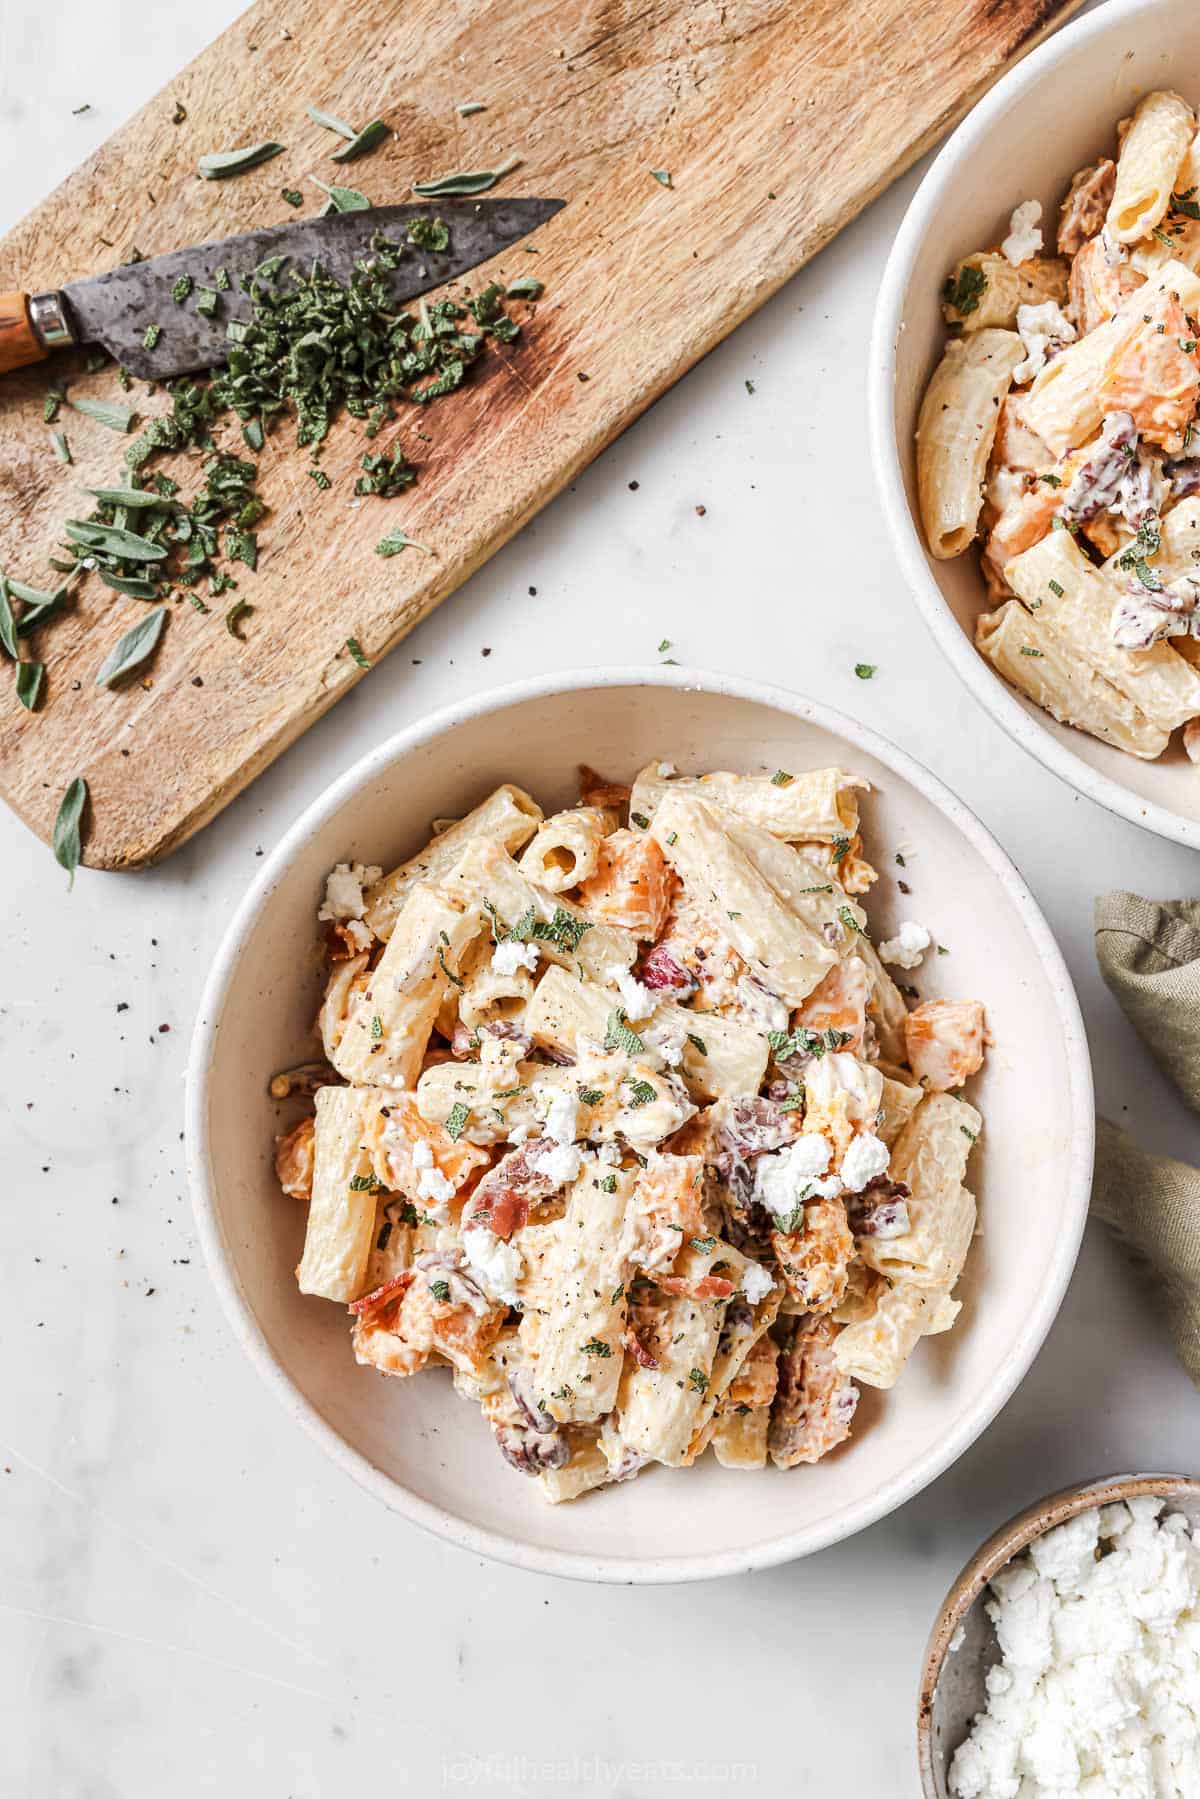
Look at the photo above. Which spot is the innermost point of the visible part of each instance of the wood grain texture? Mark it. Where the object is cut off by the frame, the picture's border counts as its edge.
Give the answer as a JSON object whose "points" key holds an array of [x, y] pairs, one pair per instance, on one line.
{"points": [[18, 343], [778, 119]]}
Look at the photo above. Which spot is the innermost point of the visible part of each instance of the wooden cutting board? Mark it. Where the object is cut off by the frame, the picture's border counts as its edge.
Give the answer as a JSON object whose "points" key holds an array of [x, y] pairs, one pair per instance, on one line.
{"points": [[778, 121]]}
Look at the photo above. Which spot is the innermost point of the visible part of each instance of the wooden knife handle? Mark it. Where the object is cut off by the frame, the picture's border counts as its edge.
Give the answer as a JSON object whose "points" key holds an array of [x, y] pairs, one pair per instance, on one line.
{"points": [[19, 342]]}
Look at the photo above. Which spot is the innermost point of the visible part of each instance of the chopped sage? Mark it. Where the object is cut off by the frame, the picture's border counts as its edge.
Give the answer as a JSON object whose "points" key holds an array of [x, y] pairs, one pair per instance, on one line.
{"points": [[342, 199], [238, 611], [362, 141], [397, 540], [356, 652], [527, 288], [62, 448], [29, 683], [222, 163], [662, 176], [106, 412], [330, 122], [466, 181], [465, 108], [292, 195]]}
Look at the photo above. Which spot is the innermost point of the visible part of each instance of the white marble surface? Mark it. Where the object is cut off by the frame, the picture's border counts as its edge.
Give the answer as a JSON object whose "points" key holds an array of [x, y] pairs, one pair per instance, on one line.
{"points": [[191, 1600]]}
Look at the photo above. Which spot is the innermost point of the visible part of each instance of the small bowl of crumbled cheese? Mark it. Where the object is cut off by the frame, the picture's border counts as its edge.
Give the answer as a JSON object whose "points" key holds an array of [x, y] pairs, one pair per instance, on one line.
{"points": [[1066, 1657]]}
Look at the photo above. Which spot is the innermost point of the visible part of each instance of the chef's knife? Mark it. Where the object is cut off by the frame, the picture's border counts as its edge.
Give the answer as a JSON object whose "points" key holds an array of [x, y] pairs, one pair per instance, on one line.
{"points": [[114, 310]]}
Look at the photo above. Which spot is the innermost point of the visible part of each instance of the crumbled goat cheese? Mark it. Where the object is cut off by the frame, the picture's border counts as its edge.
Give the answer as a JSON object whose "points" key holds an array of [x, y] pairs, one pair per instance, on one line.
{"points": [[785, 1179], [866, 1156], [510, 955], [907, 947], [562, 1117], [432, 1184], [756, 1282], [668, 1040], [560, 1164], [496, 1265], [1024, 238], [639, 1001], [344, 891], [1042, 329], [1098, 1689]]}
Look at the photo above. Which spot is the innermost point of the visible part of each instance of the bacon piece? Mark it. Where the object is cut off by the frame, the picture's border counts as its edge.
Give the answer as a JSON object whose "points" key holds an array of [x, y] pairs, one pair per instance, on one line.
{"points": [[501, 1202], [945, 1040], [294, 1160], [637, 1349], [1085, 204], [594, 790], [709, 1286], [383, 1296]]}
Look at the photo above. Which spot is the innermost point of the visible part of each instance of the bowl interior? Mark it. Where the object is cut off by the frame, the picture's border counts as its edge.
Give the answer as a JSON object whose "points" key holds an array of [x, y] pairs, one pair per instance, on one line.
{"points": [[431, 1455], [960, 1671], [1019, 146]]}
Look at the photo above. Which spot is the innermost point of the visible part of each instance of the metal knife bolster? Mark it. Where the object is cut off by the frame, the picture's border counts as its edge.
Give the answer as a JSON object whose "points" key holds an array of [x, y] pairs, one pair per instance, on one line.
{"points": [[48, 317]]}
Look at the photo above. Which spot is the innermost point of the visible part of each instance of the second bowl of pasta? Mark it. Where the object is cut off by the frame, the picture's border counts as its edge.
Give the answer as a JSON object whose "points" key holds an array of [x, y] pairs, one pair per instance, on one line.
{"points": [[1035, 394], [672, 1038]]}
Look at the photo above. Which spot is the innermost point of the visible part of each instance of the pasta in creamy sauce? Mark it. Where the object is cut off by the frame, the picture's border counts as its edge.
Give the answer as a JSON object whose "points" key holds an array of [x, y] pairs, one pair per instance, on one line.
{"points": [[1059, 431], [625, 1124]]}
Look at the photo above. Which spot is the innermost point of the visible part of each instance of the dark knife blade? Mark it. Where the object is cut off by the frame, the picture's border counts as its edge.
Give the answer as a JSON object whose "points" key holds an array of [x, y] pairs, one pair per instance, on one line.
{"points": [[115, 309]]}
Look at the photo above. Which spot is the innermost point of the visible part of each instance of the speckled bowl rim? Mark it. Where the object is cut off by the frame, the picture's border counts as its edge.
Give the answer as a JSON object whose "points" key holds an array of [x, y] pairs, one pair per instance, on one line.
{"points": [[1001, 1547], [515, 1551], [951, 165]]}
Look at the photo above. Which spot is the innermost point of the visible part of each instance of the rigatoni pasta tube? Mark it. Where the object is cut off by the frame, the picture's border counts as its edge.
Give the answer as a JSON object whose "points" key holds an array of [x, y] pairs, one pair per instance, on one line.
{"points": [[1153, 149], [565, 848], [930, 1158], [388, 1030], [487, 876], [1075, 601], [739, 903], [815, 806], [1034, 660], [341, 1212], [508, 816], [955, 433], [578, 1366]]}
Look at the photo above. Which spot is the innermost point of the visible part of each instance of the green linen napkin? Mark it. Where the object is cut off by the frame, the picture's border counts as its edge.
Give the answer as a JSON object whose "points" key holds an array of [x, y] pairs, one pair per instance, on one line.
{"points": [[1149, 955]]}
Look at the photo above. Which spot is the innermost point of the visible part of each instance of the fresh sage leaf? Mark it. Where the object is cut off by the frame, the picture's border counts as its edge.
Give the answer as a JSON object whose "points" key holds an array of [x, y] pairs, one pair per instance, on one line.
{"points": [[342, 199], [130, 651], [527, 288], [131, 498], [330, 121], [62, 448], [39, 604], [127, 546], [465, 108], [65, 838], [8, 624], [222, 163], [252, 432], [106, 412], [365, 140], [395, 541], [129, 584], [29, 683], [468, 181]]}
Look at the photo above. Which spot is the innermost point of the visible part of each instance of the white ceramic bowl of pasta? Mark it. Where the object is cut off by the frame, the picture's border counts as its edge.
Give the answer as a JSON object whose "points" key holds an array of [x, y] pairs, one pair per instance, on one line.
{"points": [[1051, 115], [413, 1442]]}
